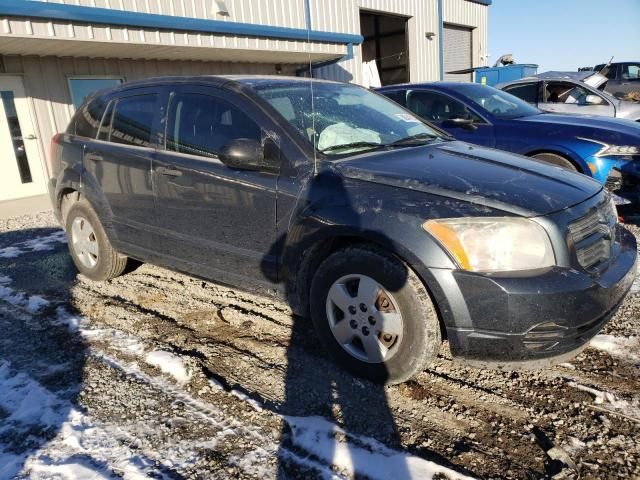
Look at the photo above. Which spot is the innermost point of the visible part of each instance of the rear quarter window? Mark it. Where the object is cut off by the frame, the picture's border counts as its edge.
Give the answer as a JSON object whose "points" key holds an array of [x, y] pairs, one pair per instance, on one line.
{"points": [[87, 120]]}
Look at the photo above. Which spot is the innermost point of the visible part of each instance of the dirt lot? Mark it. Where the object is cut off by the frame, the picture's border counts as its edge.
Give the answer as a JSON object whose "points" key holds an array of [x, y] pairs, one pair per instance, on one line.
{"points": [[160, 375]]}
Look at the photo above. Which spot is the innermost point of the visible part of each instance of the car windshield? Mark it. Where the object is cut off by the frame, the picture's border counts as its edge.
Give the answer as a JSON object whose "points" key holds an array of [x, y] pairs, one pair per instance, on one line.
{"points": [[500, 104], [345, 119]]}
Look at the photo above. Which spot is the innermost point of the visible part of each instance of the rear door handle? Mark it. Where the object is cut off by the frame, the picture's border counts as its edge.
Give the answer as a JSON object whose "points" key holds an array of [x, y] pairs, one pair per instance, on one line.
{"points": [[94, 157], [170, 172]]}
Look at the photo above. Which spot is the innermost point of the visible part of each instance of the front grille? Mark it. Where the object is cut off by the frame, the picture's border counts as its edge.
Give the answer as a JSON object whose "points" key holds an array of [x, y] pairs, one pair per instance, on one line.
{"points": [[593, 235]]}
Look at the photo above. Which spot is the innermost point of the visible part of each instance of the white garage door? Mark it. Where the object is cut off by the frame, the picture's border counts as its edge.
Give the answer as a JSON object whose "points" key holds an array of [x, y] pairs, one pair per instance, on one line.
{"points": [[457, 52]]}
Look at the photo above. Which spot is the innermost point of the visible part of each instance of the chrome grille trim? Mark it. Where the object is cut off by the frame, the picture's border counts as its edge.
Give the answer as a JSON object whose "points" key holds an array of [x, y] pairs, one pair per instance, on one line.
{"points": [[592, 235]]}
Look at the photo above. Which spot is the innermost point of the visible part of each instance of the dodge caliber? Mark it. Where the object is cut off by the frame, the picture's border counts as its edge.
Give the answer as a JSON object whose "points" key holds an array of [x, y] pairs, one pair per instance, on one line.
{"points": [[387, 233]]}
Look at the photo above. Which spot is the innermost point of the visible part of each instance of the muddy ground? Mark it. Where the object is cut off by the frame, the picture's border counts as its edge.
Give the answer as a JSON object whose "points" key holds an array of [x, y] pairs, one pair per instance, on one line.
{"points": [[250, 383]]}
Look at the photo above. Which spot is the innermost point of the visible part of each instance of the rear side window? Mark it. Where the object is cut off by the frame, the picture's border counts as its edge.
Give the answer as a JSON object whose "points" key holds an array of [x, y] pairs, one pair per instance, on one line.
{"points": [[87, 120], [398, 96], [526, 91], [201, 125], [133, 120]]}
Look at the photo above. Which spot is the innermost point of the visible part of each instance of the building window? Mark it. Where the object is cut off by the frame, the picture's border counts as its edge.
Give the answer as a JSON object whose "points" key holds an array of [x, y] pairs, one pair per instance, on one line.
{"points": [[81, 87]]}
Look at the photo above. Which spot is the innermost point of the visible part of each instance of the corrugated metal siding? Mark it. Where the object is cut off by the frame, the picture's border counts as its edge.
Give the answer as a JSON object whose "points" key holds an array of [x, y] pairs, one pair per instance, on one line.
{"points": [[51, 100], [474, 15]]}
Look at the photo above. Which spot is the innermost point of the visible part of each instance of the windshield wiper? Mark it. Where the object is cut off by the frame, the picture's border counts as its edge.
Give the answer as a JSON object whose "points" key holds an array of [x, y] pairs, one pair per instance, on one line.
{"points": [[346, 146], [418, 137]]}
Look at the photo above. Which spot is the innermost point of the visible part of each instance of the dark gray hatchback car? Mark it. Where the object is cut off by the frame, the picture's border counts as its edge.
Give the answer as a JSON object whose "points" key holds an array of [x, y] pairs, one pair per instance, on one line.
{"points": [[388, 232]]}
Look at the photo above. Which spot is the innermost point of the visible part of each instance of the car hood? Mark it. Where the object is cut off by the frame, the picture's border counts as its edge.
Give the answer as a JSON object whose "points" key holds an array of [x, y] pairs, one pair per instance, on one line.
{"points": [[478, 175], [616, 126]]}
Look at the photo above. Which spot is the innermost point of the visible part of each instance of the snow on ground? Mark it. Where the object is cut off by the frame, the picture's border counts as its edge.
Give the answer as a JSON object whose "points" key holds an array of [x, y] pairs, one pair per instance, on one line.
{"points": [[38, 244], [169, 363], [620, 347], [609, 402], [360, 455]]}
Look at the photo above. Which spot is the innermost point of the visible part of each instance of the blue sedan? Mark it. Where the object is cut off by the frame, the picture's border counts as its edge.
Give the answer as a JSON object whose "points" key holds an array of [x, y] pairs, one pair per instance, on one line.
{"points": [[607, 149]]}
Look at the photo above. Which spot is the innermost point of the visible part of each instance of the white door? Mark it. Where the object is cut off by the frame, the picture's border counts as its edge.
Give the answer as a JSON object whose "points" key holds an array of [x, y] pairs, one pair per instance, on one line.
{"points": [[21, 167]]}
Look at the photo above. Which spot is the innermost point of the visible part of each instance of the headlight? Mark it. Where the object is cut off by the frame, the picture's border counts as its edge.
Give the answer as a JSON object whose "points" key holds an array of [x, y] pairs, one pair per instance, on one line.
{"points": [[494, 244], [618, 150]]}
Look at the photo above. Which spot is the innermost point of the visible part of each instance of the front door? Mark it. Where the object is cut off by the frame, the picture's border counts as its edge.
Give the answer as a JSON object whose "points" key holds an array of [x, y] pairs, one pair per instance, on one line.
{"points": [[567, 97], [442, 110], [22, 172], [218, 220]]}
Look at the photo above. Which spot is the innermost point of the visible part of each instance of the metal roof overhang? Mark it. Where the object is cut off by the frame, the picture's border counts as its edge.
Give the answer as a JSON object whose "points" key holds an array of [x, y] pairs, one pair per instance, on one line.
{"points": [[20, 45]]}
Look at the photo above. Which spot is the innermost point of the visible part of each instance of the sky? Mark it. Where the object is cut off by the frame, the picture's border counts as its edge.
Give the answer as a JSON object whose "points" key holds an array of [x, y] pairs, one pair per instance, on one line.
{"points": [[564, 34]]}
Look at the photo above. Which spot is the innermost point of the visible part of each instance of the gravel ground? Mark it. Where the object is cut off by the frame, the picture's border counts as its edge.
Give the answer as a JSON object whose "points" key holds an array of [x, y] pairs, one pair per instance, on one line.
{"points": [[161, 375]]}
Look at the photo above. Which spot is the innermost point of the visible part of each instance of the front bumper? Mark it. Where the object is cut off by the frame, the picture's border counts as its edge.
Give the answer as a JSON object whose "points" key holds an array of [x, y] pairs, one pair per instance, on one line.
{"points": [[620, 175], [509, 320]]}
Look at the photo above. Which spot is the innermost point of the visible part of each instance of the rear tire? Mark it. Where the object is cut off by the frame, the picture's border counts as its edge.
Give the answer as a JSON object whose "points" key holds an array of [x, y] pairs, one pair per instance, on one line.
{"points": [[89, 246], [374, 315], [555, 159]]}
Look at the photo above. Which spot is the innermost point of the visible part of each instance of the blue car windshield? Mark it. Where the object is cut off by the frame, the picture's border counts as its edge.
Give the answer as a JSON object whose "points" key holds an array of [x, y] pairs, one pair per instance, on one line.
{"points": [[500, 104], [345, 119]]}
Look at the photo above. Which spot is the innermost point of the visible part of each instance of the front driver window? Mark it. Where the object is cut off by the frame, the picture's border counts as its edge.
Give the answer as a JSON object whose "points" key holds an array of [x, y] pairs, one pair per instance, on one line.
{"points": [[568, 93], [631, 71], [436, 107], [201, 125]]}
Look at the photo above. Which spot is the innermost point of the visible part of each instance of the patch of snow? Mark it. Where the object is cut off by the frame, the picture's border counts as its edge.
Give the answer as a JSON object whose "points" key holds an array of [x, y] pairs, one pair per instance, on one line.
{"points": [[610, 401], [169, 363], [245, 398], [32, 304], [621, 347], [35, 303], [363, 456], [37, 244]]}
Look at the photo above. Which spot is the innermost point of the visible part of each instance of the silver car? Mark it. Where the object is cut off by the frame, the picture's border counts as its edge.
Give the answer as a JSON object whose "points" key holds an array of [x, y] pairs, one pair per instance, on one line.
{"points": [[571, 92]]}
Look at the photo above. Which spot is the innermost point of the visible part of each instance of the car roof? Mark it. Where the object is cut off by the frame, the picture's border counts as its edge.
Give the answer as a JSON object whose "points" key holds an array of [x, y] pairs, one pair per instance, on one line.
{"points": [[251, 81], [444, 85]]}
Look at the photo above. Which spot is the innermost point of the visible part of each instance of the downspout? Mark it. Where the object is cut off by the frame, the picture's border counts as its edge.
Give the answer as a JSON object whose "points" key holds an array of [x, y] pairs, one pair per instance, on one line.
{"points": [[440, 43]]}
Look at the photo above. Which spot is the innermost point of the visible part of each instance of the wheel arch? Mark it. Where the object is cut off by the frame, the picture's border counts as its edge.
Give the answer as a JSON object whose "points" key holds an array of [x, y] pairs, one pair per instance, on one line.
{"points": [[299, 280], [580, 166]]}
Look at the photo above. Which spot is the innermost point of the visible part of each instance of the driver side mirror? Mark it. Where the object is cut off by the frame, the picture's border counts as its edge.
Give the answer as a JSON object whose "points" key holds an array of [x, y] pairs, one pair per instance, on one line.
{"points": [[460, 122], [593, 100], [248, 154]]}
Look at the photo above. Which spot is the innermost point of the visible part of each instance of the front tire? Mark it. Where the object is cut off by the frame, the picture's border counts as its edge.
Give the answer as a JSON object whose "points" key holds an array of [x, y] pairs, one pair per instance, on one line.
{"points": [[374, 315], [555, 159], [89, 246]]}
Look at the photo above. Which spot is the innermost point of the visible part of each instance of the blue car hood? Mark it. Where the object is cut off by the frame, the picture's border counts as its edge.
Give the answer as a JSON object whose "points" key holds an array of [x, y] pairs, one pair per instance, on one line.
{"points": [[605, 125], [479, 175]]}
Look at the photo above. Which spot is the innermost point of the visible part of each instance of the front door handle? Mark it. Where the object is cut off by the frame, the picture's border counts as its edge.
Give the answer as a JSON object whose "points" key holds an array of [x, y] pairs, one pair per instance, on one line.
{"points": [[94, 157], [170, 172]]}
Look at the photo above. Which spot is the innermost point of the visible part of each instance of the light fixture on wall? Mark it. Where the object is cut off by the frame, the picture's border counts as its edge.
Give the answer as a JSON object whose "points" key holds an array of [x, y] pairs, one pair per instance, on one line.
{"points": [[222, 8], [430, 35]]}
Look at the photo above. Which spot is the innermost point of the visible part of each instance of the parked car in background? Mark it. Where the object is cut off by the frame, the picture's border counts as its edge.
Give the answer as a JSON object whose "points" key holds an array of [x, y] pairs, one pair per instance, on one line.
{"points": [[623, 77], [607, 149], [571, 92], [388, 232]]}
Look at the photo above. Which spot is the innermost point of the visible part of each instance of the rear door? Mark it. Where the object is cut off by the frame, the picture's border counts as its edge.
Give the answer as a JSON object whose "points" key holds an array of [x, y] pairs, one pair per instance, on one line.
{"points": [[219, 221], [442, 110], [569, 97], [119, 160]]}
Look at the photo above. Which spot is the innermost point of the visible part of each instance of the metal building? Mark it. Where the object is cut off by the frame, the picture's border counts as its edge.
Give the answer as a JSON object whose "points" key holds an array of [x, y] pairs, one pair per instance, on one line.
{"points": [[53, 53]]}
